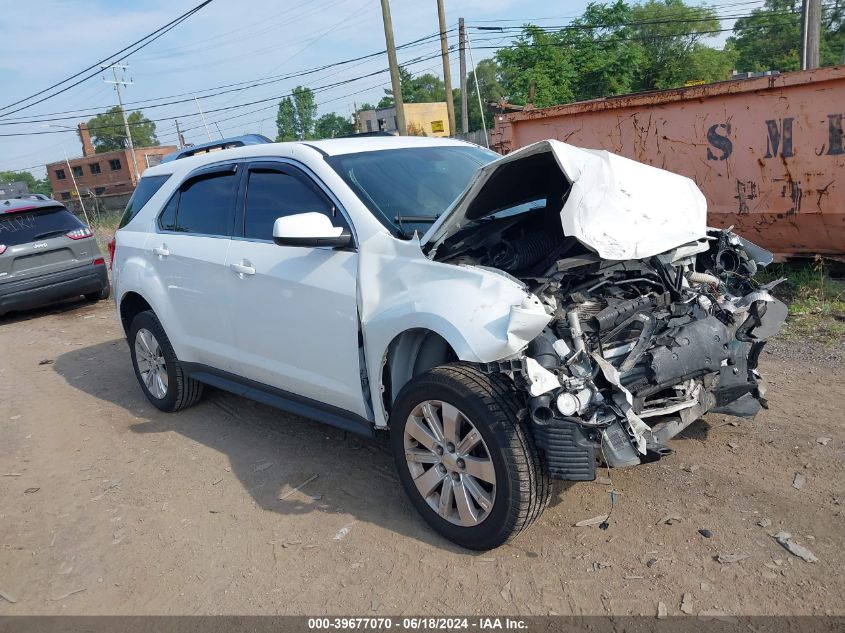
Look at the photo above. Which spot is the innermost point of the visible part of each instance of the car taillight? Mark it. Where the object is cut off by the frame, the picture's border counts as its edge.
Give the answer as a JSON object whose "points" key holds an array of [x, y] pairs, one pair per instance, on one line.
{"points": [[2, 248], [111, 246], [80, 234], [99, 261]]}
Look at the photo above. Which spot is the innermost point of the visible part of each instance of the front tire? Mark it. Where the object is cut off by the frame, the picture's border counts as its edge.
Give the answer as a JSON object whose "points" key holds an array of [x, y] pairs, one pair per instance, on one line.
{"points": [[157, 368], [467, 464]]}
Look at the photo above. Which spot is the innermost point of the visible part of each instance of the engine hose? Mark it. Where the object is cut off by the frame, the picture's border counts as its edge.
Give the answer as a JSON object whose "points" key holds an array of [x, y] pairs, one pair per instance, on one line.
{"points": [[702, 278]]}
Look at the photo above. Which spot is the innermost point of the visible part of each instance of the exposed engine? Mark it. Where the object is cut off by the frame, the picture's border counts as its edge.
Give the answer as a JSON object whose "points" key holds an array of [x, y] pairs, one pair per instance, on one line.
{"points": [[636, 350]]}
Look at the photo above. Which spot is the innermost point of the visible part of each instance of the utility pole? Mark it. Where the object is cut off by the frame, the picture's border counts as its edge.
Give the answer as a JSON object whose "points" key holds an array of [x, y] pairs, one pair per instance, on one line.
{"points": [[202, 114], [462, 53], [117, 84], [811, 23], [478, 94], [179, 138], [394, 68], [76, 188], [447, 70]]}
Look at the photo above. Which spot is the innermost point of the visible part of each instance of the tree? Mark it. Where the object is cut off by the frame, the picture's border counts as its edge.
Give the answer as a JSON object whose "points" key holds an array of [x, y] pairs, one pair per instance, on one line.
{"points": [[286, 121], [33, 184], [306, 111], [613, 49], [295, 118], [770, 38], [426, 88], [331, 125], [491, 90], [538, 57], [668, 34], [108, 132], [605, 53]]}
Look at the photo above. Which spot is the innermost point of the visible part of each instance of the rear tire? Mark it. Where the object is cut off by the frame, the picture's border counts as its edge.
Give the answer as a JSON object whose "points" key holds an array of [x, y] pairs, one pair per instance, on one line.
{"points": [[157, 368], [520, 488], [102, 295]]}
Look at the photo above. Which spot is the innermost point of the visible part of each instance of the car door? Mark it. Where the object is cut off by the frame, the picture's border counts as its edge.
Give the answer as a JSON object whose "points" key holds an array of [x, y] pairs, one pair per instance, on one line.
{"points": [[294, 308], [188, 254]]}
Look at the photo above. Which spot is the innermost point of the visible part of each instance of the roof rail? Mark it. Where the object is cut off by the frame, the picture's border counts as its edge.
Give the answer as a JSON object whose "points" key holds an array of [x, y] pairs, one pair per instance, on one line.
{"points": [[362, 134], [213, 146]]}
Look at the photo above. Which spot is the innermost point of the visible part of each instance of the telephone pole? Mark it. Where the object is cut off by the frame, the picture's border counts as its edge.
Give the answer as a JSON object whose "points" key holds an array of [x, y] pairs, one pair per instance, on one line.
{"points": [[117, 84], [462, 53], [447, 71], [811, 22], [394, 68], [179, 138]]}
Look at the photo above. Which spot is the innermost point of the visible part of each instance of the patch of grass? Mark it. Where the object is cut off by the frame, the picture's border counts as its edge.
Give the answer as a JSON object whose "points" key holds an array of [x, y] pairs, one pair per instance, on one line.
{"points": [[104, 227], [816, 300]]}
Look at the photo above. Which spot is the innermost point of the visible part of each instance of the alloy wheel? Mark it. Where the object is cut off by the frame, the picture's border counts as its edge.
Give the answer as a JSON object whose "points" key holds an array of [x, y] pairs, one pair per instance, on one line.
{"points": [[149, 358], [449, 462]]}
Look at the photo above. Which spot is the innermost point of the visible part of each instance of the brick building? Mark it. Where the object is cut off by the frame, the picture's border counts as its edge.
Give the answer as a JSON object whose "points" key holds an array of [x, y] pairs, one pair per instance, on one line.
{"points": [[105, 174]]}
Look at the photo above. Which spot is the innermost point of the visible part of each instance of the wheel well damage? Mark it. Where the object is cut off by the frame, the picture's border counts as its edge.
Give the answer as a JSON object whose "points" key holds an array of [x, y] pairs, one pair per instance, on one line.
{"points": [[410, 354]]}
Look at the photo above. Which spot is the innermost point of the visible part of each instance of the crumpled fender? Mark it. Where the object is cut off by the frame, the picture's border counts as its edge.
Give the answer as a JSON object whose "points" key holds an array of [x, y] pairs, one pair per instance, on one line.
{"points": [[483, 315]]}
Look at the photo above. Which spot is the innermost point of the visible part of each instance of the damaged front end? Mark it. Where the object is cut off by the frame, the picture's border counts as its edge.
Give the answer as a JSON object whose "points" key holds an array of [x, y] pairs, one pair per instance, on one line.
{"points": [[655, 319], [637, 350]]}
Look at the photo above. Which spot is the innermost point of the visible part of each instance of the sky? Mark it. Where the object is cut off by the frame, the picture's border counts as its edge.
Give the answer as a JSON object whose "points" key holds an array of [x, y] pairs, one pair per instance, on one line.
{"points": [[227, 42]]}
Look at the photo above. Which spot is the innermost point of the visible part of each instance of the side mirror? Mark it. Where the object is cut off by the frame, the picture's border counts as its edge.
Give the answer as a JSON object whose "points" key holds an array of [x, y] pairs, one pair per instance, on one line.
{"points": [[309, 229]]}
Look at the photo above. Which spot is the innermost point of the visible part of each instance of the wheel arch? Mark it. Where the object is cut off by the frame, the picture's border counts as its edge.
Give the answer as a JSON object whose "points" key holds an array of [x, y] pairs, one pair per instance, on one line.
{"points": [[131, 304], [409, 354]]}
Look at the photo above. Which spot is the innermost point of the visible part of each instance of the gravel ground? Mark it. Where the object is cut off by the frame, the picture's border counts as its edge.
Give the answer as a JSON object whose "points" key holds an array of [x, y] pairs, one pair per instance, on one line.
{"points": [[108, 506]]}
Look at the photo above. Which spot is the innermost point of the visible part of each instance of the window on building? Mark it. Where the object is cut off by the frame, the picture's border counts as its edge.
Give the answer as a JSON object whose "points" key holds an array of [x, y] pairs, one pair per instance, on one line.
{"points": [[77, 171], [204, 206], [65, 195], [114, 164], [99, 191], [94, 167], [60, 174], [273, 194]]}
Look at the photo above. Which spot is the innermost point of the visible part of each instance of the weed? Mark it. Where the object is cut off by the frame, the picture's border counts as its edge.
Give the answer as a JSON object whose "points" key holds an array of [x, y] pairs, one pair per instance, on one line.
{"points": [[816, 300]]}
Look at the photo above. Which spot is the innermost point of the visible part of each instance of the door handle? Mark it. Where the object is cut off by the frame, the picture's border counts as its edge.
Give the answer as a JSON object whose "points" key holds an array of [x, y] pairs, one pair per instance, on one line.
{"points": [[244, 268], [161, 251]]}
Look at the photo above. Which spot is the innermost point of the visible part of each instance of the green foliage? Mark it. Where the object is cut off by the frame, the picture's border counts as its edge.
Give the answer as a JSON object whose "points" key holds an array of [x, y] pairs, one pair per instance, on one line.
{"points": [[306, 111], [669, 34], [491, 89], [771, 38], [332, 125], [296, 116], [816, 300], [425, 88], [538, 57], [286, 121], [108, 132], [34, 185]]}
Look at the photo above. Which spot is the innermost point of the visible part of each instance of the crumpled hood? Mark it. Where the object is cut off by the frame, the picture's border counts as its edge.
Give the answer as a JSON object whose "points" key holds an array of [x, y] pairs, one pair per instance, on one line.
{"points": [[620, 208]]}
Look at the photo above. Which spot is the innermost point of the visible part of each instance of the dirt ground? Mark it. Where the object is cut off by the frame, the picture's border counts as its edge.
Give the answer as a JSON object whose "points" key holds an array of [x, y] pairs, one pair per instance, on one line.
{"points": [[108, 506]]}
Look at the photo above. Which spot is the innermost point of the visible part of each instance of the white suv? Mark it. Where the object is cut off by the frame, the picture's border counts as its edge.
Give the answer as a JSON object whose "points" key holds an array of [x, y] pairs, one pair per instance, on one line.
{"points": [[562, 307]]}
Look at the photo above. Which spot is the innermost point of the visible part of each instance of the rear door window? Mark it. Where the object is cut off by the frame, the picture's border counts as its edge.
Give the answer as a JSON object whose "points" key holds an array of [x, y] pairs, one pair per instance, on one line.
{"points": [[22, 227], [147, 187], [204, 205]]}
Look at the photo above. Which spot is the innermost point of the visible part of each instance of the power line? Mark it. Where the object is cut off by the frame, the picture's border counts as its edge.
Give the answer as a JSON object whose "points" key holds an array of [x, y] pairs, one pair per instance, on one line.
{"points": [[224, 89], [654, 22], [224, 108], [150, 38]]}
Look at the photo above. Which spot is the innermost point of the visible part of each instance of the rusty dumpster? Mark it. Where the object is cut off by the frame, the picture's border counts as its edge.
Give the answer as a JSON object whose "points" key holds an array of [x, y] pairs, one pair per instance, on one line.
{"points": [[767, 152]]}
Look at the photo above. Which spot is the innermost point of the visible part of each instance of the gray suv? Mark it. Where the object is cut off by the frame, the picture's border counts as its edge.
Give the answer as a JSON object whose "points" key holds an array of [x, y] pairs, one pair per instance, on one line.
{"points": [[47, 254]]}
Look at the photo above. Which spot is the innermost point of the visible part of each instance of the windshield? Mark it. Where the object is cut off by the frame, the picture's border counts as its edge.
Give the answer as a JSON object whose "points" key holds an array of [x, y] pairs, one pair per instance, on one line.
{"points": [[408, 188], [23, 227]]}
